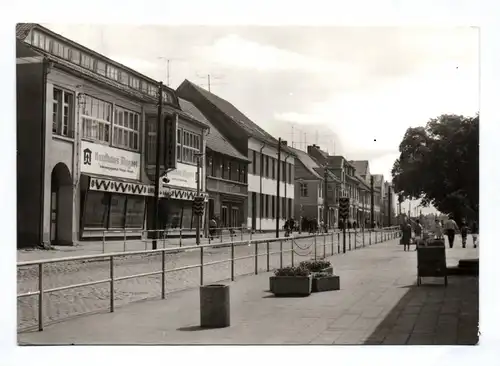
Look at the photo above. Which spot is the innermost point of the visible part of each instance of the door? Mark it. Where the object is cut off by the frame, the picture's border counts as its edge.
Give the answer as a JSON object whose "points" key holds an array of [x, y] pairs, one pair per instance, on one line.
{"points": [[235, 217], [53, 217], [224, 217], [211, 209]]}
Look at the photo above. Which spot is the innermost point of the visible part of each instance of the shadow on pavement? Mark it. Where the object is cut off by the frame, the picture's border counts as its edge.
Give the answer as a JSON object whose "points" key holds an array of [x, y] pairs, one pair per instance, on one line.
{"points": [[432, 314], [192, 328]]}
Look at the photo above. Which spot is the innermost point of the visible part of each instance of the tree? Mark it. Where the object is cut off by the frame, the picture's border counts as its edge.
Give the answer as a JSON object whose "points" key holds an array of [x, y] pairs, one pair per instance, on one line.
{"points": [[439, 163]]}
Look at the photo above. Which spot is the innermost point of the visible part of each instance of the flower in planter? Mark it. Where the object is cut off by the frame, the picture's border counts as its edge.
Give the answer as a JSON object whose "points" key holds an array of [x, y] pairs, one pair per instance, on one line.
{"points": [[315, 266], [321, 274], [292, 272]]}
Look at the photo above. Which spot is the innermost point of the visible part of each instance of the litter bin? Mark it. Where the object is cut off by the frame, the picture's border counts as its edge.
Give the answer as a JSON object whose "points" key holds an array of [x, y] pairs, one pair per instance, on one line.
{"points": [[214, 306]]}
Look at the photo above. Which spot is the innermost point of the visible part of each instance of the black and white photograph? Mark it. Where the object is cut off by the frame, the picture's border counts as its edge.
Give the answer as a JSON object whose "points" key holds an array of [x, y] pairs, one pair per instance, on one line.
{"points": [[247, 184]]}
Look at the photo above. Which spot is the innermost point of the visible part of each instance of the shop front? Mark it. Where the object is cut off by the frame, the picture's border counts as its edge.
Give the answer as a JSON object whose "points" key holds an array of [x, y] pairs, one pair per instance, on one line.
{"points": [[175, 207], [112, 196]]}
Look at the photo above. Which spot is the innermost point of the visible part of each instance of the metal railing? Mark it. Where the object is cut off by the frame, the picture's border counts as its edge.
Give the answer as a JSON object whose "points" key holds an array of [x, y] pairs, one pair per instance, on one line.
{"points": [[379, 235]]}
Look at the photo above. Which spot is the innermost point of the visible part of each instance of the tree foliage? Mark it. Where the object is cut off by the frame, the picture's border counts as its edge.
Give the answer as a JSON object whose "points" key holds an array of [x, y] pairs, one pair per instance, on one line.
{"points": [[439, 163]]}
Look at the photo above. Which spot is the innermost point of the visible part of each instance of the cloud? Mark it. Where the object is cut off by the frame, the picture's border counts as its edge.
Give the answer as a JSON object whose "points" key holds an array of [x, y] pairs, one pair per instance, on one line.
{"points": [[236, 51]]}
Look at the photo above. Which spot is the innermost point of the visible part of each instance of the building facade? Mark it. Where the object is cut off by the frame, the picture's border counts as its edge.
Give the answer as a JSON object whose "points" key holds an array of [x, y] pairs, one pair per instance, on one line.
{"points": [[260, 148], [93, 121], [226, 176]]}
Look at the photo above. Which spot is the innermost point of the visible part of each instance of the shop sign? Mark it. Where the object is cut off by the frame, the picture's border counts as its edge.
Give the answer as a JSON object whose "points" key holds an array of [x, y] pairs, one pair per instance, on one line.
{"points": [[184, 176], [107, 185], [105, 160]]}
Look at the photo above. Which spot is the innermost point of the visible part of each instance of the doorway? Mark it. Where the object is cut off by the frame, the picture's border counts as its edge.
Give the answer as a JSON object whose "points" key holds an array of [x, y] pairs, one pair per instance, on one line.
{"points": [[61, 206], [254, 211]]}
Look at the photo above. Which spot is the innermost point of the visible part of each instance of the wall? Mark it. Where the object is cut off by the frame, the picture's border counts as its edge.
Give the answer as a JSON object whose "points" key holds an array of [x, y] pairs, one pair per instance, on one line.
{"points": [[30, 89], [269, 185]]}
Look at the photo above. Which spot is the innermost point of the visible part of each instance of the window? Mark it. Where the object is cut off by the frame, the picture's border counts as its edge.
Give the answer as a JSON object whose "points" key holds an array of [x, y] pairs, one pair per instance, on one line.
{"points": [[151, 141], [62, 113], [134, 212], [166, 97], [303, 190], [123, 76], [96, 119], [126, 129], [117, 211], [273, 168], [290, 167], [266, 205], [60, 50], [262, 210], [242, 173], [254, 162], [235, 171], [290, 207], [134, 82], [273, 208], [75, 56], [96, 209], [111, 72], [152, 90], [101, 68], [267, 167], [283, 207], [224, 217], [42, 41], [188, 146], [87, 62], [283, 172]]}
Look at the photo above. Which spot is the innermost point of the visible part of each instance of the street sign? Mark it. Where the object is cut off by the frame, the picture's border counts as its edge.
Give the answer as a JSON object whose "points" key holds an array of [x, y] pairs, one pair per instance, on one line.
{"points": [[170, 142], [344, 207]]}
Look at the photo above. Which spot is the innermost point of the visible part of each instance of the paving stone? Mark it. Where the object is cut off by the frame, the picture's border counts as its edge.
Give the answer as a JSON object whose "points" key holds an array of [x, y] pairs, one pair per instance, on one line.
{"points": [[421, 339], [396, 338], [327, 337]]}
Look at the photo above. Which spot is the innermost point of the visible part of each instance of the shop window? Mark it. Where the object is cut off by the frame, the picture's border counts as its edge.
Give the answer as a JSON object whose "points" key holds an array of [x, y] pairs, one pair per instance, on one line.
{"points": [[96, 209], [117, 211], [273, 206], [135, 212]]}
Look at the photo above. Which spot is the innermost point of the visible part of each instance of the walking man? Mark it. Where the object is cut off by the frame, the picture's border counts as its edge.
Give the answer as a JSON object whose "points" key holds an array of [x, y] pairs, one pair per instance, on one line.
{"points": [[405, 239], [451, 228], [464, 230], [475, 232]]}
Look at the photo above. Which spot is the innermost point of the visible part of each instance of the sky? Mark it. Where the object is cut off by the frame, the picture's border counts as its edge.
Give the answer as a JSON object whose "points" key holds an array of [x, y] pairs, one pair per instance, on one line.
{"points": [[352, 90]]}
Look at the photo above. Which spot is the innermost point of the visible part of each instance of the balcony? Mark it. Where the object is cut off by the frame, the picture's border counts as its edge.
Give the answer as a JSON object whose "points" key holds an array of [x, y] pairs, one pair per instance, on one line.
{"points": [[226, 186]]}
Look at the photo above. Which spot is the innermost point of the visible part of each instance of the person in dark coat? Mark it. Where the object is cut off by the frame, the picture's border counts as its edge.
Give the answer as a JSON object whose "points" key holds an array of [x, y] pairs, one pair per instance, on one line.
{"points": [[475, 232], [406, 238]]}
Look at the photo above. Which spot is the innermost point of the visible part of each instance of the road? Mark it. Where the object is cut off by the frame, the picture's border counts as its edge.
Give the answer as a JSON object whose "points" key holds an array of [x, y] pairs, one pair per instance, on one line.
{"points": [[68, 303]]}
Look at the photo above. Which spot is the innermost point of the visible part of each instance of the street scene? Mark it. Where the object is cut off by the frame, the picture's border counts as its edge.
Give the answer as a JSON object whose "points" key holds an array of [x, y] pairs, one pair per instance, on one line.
{"points": [[240, 188]]}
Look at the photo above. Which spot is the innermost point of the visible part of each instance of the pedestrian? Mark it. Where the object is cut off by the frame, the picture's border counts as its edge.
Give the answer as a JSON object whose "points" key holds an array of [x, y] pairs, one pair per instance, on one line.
{"points": [[438, 230], [475, 232], [450, 227], [464, 230], [418, 233], [212, 228], [406, 237]]}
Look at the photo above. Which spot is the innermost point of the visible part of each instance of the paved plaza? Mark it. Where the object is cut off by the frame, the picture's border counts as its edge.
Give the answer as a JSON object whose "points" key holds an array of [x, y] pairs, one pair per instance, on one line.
{"points": [[379, 303]]}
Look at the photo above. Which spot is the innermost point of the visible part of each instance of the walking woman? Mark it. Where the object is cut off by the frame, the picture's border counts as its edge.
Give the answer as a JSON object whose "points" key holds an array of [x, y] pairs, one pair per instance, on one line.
{"points": [[450, 228], [475, 232], [406, 237]]}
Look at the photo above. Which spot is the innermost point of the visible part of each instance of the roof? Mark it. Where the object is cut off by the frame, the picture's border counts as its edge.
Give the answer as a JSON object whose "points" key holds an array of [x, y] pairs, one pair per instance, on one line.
{"points": [[335, 161], [23, 29], [361, 166], [307, 161], [215, 141], [250, 127]]}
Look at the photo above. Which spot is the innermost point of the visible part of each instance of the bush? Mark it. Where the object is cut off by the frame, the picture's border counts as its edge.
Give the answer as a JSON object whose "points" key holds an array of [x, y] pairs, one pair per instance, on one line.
{"points": [[315, 266], [292, 272], [321, 274]]}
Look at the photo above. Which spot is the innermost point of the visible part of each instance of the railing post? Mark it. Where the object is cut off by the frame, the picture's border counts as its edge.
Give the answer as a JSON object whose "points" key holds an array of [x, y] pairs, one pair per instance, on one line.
{"points": [[164, 238], [163, 274], [338, 242], [180, 237], [355, 239], [201, 265], [124, 240], [292, 241], [103, 239], [256, 245], [241, 229], [267, 254], [370, 236], [363, 233], [146, 241], [315, 247], [232, 261], [40, 297], [281, 253], [111, 284], [220, 234], [349, 239], [333, 248]]}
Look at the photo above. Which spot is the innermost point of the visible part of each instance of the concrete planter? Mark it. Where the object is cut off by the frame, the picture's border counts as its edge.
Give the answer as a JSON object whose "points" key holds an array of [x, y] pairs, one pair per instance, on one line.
{"points": [[214, 306], [331, 283], [328, 270], [290, 285]]}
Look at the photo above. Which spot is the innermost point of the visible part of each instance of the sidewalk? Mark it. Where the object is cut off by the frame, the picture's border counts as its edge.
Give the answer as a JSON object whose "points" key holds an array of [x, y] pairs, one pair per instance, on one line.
{"points": [[378, 303]]}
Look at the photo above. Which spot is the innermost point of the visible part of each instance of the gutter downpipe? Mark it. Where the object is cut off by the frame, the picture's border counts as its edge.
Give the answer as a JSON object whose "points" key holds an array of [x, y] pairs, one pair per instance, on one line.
{"points": [[260, 195]]}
